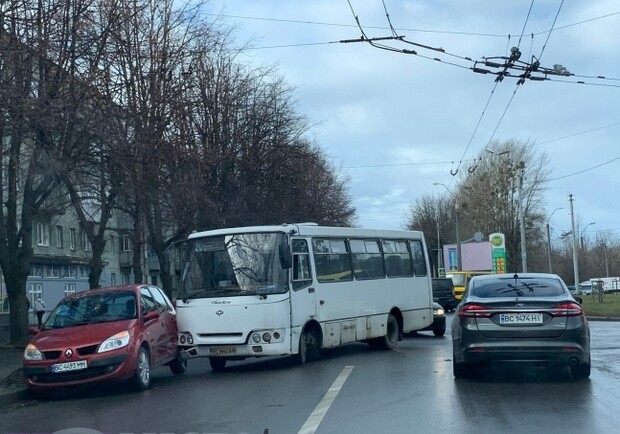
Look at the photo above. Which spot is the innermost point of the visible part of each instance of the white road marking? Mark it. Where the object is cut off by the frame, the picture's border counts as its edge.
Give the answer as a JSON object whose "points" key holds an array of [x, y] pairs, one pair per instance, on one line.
{"points": [[312, 423]]}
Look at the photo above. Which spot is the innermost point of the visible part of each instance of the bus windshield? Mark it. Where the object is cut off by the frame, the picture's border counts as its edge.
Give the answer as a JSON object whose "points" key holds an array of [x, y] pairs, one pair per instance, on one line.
{"points": [[233, 265]]}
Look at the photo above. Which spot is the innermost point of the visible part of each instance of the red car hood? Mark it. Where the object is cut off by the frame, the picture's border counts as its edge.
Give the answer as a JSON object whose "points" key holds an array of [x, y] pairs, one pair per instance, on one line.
{"points": [[79, 336]]}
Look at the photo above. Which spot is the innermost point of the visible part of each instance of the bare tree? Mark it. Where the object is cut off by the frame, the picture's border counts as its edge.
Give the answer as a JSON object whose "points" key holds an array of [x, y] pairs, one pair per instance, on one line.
{"points": [[41, 45], [490, 197], [489, 200]]}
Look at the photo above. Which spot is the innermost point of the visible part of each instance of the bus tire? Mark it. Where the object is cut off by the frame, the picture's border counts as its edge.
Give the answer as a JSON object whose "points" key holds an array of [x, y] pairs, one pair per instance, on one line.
{"points": [[302, 356], [390, 340], [218, 364], [178, 365]]}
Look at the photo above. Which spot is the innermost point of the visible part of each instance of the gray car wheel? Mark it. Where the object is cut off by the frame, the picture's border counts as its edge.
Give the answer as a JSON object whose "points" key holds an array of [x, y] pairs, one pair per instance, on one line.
{"points": [[580, 372], [142, 375]]}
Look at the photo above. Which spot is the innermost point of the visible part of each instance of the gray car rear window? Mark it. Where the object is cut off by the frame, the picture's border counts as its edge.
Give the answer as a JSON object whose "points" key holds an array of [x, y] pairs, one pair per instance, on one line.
{"points": [[519, 287]]}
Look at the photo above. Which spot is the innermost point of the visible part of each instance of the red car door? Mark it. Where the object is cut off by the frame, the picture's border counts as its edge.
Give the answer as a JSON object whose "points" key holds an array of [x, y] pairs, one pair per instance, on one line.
{"points": [[168, 317], [155, 329]]}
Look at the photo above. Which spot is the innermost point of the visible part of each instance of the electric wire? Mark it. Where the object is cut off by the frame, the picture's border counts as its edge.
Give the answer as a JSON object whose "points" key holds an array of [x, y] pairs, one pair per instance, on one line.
{"points": [[407, 29], [551, 30], [579, 172]]}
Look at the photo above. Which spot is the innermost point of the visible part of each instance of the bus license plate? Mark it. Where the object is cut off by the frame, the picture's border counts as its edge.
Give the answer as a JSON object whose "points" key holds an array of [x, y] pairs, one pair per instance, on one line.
{"points": [[520, 318], [69, 366], [222, 350]]}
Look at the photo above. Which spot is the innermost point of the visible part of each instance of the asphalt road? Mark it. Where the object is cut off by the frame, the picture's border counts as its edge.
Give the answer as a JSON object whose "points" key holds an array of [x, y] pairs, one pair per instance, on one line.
{"points": [[351, 390]]}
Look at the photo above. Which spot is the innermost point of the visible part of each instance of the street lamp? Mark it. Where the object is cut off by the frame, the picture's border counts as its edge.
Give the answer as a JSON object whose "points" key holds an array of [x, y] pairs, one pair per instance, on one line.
{"points": [[549, 239], [521, 214], [459, 263], [583, 234]]}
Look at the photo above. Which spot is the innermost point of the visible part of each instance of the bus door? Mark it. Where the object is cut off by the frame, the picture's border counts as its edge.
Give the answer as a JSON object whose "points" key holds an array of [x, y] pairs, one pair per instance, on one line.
{"points": [[303, 298]]}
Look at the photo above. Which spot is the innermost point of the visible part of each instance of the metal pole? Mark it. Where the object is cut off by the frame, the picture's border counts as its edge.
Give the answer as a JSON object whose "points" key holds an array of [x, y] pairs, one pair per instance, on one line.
{"points": [[522, 225], [549, 247], [549, 239], [438, 248], [606, 261], [575, 261], [459, 262]]}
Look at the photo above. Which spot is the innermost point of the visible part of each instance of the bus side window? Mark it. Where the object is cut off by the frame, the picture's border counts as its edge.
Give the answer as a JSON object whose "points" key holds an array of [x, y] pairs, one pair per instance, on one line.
{"points": [[419, 262], [301, 264]]}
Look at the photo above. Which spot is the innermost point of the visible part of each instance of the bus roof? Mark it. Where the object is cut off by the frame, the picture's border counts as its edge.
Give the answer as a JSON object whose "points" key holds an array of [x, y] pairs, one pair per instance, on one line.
{"points": [[312, 229]]}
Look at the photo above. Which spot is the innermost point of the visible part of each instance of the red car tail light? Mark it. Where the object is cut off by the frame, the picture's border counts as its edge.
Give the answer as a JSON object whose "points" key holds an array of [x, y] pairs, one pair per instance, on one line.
{"points": [[474, 311], [570, 308]]}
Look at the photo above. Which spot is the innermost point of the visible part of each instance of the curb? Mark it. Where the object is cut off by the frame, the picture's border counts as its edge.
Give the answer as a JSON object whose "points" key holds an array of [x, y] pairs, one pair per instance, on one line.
{"points": [[603, 318], [13, 387]]}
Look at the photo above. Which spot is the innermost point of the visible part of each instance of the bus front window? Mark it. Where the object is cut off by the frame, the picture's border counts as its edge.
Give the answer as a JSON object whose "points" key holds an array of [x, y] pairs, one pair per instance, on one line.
{"points": [[233, 265]]}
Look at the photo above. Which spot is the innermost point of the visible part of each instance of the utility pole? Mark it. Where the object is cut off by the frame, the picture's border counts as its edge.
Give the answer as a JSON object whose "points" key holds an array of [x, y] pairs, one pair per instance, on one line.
{"points": [[522, 221], [575, 261], [549, 239]]}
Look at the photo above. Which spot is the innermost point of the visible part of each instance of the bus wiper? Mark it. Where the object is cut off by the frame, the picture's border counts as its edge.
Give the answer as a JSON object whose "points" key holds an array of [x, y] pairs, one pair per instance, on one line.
{"points": [[202, 291], [196, 294]]}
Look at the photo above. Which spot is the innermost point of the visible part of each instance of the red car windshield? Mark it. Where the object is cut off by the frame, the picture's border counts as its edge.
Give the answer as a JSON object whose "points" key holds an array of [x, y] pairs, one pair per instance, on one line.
{"points": [[93, 308]]}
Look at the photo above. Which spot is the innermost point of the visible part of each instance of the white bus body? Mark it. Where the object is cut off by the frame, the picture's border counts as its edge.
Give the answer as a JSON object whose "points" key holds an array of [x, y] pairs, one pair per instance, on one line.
{"points": [[298, 288]]}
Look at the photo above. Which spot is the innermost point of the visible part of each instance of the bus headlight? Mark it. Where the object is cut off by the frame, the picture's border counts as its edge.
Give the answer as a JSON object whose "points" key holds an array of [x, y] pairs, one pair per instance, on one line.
{"points": [[266, 337], [186, 338], [256, 337]]}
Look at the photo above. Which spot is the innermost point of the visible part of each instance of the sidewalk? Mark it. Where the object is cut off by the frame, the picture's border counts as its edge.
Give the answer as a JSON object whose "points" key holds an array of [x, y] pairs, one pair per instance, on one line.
{"points": [[12, 382]]}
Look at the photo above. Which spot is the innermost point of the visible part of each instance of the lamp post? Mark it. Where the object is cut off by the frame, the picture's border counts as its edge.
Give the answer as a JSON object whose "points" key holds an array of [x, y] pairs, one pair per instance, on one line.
{"points": [[522, 220], [459, 263], [583, 234], [521, 214], [573, 233], [549, 239]]}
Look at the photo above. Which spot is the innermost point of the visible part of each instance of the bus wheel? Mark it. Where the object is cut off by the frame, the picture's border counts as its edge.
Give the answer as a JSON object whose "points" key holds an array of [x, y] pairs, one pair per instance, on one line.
{"points": [[217, 363], [390, 340], [302, 355]]}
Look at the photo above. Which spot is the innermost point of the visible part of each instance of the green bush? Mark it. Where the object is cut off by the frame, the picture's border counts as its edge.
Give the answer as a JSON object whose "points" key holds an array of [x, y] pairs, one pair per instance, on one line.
{"points": [[609, 307]]}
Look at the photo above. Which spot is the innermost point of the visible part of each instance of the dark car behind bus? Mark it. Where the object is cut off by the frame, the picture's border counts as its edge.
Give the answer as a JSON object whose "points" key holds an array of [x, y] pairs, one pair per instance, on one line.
{"points": [[443, 293]]}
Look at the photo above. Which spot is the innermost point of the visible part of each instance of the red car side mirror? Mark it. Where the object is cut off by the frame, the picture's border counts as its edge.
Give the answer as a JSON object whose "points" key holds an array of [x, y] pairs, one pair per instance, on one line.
{"points": [[151, 315], [32, 331]]}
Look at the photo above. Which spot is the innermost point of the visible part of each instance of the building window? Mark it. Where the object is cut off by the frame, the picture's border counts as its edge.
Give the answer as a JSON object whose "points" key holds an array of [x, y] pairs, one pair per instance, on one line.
{"points": [[72, 270], [86, 243], [59, 240], [43, 234], [125, 246], [111, 242], [72, 238], [69, 288], [113, 279], [35, 291], [36, 270]]}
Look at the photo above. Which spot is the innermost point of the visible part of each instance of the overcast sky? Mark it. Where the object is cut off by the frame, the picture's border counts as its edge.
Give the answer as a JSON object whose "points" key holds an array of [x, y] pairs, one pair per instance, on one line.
{"points": [[397, 123]]}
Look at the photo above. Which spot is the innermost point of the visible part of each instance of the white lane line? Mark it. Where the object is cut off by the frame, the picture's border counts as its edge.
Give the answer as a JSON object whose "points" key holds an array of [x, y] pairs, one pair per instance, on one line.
{"points": [[312, 423]]}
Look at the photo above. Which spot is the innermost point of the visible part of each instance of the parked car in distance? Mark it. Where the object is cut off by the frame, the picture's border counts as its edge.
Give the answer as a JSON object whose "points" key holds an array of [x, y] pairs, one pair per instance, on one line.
{"points": [[520, 318], [104, 334], [438, 326], [443, 293]]}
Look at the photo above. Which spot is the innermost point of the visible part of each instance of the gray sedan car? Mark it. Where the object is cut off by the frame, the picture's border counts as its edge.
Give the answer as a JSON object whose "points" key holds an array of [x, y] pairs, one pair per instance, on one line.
{"points": [[520, 318]]}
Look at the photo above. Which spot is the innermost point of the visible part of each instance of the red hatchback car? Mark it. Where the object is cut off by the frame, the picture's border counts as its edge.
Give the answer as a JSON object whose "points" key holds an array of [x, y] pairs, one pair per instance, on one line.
{"points": [[114, 333]]}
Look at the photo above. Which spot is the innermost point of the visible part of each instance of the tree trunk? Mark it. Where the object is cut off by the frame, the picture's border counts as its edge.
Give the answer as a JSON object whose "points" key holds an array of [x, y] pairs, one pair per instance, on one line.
{"points": [[18, 301]]}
